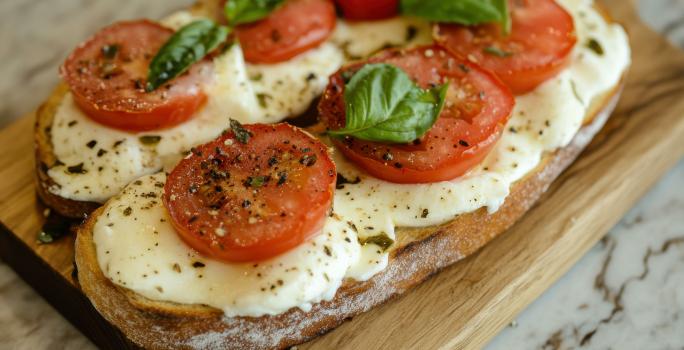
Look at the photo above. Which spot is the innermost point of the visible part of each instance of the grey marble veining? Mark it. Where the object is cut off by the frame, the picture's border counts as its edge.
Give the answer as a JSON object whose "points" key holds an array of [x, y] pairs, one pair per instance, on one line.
{"points": [[626, 293]]}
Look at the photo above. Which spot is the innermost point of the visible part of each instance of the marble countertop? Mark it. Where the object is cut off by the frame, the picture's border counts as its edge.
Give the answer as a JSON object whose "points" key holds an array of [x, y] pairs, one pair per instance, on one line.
{"points": [[626, 293]]}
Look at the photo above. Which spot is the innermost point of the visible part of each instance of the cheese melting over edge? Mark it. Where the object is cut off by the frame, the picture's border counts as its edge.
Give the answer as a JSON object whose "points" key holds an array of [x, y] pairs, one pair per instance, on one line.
{"points": [[543, 120]]}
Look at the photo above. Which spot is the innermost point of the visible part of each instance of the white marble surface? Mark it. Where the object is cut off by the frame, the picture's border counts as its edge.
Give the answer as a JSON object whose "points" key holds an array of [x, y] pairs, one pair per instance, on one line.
{"points": [[626, 293]]}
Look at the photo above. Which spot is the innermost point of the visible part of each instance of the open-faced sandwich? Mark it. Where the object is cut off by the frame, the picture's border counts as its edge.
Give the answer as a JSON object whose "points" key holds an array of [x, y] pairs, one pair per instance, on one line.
{"points": [[137, 94], [439, 123]]}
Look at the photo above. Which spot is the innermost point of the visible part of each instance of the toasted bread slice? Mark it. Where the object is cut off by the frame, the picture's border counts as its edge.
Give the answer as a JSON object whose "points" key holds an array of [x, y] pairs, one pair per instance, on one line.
{"points": [[44, 151], [417, 254]]}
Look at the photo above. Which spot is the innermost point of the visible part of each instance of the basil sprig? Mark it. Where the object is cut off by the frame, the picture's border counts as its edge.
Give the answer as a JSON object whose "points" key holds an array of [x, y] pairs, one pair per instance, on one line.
{"points": [[384, 105], [247, 11], [188, 45], [468, 12]]}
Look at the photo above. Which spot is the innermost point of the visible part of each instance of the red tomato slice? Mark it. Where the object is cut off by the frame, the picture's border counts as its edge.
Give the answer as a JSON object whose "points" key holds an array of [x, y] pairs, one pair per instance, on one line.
{"points": [[538, 47], [364, 10], [250, 201], [477, 107], [293, 28], [107, 75]]}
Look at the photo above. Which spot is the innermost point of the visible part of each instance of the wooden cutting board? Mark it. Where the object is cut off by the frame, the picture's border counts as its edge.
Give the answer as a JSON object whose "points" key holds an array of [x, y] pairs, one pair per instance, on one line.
{"points": [[468, 303]]}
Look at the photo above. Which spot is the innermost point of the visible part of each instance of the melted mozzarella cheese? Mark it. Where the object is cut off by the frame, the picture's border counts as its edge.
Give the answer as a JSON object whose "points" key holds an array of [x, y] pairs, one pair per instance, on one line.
{"points": [[542, 121], [144, 249], [246, 92], [119, 157], [361, 39], [138, 248], [288, 88], [108, 159]]}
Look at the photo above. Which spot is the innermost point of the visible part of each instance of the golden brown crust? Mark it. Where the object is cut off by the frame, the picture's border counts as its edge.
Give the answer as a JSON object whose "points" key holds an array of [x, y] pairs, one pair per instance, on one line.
{"points": [[420, 253]]}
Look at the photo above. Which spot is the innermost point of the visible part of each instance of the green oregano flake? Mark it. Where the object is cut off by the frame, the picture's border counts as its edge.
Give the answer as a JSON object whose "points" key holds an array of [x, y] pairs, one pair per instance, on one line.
{"points": [[382, 240], [256, 181], [595, 46], [241, 134], [149, 140], [493, 50]]}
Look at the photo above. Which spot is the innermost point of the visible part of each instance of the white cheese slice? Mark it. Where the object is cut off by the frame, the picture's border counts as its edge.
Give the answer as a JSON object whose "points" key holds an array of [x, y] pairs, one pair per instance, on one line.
{"points": [[361, 39]]}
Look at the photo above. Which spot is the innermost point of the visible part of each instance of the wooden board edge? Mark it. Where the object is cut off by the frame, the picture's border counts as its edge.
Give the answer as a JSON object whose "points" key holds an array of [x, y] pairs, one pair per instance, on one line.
{"points": [[544, 277], [60, 293], [12, 247]]}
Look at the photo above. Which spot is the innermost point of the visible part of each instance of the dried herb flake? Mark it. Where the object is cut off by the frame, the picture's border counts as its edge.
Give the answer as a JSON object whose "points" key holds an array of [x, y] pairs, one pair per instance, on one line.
{"points": [[493, 50], [241, 134], [595, 46], [256, 181], [76, 169], [149, 140], [382, 240]]}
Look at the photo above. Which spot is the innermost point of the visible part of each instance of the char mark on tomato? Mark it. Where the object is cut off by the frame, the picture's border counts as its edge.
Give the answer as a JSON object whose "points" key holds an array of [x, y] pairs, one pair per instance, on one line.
{"points": [[107, 76], [477, 107], [253, 193], [293, 28], [538, 47]]}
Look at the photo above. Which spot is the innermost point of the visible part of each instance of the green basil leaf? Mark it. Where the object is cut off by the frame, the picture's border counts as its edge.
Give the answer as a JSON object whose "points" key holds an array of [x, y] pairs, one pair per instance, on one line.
{"points": [[185, 47], [468, 12], [55, 227], [502, 6], [247, 11], [383, 104]]}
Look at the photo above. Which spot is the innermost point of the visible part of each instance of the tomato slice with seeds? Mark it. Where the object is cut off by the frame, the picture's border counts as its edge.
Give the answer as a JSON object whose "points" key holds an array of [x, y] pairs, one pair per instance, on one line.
{"points": [[107, 76], [250, 201], [364, 10], [477, 107], [538, 47], [293, 28]]}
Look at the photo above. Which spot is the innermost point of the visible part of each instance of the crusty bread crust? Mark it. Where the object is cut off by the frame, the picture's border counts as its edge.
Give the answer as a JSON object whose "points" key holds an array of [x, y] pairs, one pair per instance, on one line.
{"points": [[418, 254], [45, 159]]}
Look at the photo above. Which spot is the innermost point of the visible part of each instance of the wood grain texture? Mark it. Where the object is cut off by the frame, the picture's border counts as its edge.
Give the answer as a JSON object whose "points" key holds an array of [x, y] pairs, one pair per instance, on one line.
{"points": [[465, 305]]}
